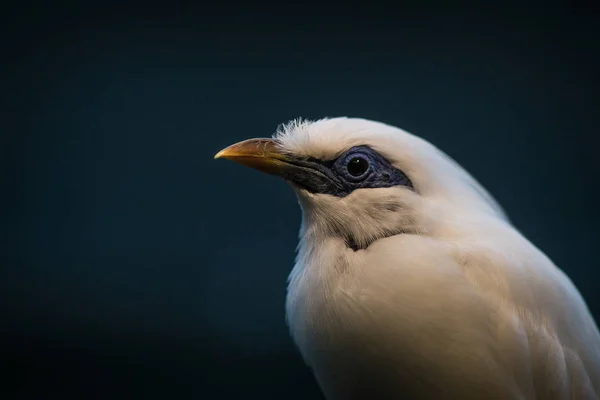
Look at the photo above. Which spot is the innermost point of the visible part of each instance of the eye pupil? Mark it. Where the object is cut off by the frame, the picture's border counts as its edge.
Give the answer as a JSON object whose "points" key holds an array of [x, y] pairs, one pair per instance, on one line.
{"points": [[357, 166]]}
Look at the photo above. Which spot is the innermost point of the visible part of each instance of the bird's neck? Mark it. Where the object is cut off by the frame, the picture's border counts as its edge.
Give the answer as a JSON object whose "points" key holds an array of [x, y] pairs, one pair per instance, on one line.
{"points": [[320, 263]]}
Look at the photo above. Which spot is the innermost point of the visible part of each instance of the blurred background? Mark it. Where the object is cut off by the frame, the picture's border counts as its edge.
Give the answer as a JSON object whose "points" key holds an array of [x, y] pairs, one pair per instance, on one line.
{"points": [[134, 266]]}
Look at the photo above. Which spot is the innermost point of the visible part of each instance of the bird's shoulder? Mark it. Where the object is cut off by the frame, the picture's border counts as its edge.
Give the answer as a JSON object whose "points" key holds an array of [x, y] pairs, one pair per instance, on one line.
{"points": [[502, 295]]}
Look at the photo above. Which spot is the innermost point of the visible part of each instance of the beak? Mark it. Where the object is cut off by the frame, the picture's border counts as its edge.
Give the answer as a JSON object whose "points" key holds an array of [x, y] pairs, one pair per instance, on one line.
{"points": [[266, 156], [260, 154]]}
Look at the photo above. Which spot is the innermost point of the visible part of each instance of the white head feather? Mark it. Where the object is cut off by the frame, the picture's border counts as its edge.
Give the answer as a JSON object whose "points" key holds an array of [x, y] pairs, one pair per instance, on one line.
{"points": [[439, 181]]}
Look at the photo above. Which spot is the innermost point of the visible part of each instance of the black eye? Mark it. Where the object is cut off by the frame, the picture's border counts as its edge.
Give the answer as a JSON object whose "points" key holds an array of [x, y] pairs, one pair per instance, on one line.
{"points": [[357, 166]]}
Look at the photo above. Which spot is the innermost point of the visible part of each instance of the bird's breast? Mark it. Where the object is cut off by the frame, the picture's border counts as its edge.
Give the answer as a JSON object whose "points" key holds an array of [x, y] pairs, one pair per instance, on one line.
{"points": [[387, 322], [346, 317]]}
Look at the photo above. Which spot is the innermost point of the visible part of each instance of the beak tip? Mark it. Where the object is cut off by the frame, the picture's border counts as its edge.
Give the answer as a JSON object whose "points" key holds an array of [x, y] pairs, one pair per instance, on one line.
{"points": [[219, 154]]}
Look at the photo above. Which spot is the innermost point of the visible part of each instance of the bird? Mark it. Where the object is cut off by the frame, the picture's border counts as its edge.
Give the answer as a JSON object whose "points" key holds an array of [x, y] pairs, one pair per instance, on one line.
{"points": [[410, 281]]}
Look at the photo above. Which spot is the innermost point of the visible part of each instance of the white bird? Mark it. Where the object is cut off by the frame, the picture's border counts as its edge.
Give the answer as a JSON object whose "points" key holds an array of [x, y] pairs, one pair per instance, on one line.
{"points": [[410, 281]]}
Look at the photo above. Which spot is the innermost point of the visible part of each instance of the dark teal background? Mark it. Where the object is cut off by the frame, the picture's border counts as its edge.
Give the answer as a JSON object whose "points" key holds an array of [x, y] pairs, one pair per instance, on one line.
{"points": [[135, 266]]}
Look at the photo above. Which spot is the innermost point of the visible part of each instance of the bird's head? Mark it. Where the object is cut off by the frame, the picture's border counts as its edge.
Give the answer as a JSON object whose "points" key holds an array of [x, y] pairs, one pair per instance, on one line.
{"points": [[359, 180]]}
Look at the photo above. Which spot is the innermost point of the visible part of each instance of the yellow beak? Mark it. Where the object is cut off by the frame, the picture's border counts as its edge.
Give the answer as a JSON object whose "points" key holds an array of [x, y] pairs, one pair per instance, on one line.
{"points": [[261, 154], [265, 155]]}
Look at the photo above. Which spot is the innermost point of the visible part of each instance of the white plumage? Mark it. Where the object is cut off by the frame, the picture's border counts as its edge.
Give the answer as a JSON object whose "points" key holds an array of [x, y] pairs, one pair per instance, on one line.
{"points": [[441, 297]]}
